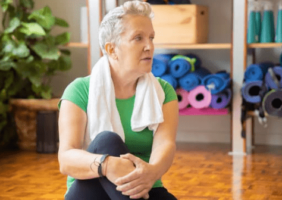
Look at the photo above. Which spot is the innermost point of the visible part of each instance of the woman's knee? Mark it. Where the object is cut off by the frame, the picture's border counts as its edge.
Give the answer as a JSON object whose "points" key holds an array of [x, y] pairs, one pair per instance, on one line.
{"points": [[108, 142]]}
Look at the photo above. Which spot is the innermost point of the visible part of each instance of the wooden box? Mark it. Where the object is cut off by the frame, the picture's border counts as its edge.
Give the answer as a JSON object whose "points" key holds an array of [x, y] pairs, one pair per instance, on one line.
{"points": [[175, 24]]}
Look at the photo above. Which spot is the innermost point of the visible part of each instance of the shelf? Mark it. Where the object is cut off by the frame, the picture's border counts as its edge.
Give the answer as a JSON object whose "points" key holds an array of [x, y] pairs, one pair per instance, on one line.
{"points": [[77, 45], [204, 111], [194, 46], [264, 45]]}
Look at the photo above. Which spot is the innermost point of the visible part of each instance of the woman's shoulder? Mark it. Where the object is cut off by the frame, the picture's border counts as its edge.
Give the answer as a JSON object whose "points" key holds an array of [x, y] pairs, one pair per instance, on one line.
{"points": [[82, 82], [169, 91], [77, 92]]}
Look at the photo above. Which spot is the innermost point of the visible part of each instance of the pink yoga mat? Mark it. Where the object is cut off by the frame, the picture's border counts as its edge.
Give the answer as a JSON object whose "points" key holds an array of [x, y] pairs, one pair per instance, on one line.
{"points": [[200, 97], [203, 111], [182, 98]]}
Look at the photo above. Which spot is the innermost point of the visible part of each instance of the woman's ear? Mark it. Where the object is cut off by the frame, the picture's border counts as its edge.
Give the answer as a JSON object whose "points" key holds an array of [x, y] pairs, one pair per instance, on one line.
{"points": [[110, 49]]}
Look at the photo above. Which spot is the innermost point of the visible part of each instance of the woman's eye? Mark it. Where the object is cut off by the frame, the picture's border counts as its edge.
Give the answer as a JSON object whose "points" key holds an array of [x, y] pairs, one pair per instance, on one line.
{"points": [[138, 38], [152, 38]]}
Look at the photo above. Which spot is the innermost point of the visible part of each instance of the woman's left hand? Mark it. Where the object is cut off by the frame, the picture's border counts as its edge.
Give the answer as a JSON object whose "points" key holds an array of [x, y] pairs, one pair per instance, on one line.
{"points": [[139, 182]]}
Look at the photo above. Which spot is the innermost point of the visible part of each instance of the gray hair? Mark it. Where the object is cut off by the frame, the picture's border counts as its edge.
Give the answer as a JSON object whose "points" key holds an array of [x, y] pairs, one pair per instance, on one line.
{"points": [[111, 27]]}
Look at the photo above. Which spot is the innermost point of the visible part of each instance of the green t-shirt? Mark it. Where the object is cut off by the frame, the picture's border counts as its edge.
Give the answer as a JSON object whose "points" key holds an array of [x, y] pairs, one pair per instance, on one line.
{"points": [[138, 143]]}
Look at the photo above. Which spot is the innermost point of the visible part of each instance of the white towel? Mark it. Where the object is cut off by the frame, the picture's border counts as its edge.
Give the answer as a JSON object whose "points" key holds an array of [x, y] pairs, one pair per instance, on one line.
{"points": [[102, 111]]}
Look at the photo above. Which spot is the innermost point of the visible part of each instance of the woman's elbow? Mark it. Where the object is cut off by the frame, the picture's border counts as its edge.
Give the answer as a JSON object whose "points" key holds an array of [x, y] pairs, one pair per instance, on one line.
{"points": [[62, 165]]}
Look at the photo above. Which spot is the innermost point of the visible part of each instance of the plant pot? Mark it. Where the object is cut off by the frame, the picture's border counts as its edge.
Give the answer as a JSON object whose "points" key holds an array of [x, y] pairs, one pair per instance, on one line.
{"points": [[25, 114]]}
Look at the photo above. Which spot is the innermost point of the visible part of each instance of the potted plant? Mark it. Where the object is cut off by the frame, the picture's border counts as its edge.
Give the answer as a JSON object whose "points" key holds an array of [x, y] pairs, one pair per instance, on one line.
{"points": [[29, 57]]}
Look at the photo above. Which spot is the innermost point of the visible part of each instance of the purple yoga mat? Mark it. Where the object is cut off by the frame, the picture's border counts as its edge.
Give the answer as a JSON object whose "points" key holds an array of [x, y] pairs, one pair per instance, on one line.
{"points": [[221, 100]]}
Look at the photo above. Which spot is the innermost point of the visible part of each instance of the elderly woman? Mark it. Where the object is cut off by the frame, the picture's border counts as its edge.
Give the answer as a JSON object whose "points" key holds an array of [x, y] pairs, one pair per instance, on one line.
{"points": [[118, 126]]}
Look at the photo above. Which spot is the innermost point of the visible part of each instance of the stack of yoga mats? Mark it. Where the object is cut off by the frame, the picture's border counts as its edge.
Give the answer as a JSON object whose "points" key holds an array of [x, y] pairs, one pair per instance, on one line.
{"points": [[262, 88], [195, 85]]}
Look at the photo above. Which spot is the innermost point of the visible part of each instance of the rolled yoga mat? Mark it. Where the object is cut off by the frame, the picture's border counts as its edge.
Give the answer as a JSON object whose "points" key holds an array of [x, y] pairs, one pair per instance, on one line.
{"points": [[218, 82], [255, 72], [200, 97], [250, 91], [270, 82], [221, 100], [182, 98], [192, 80], [272, 103], [181, 65], [170, 79], [160, 64]]}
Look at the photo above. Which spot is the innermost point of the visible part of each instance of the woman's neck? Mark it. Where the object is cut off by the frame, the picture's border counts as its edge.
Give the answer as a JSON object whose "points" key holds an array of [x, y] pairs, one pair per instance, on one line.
{"points": [[124, 84]]}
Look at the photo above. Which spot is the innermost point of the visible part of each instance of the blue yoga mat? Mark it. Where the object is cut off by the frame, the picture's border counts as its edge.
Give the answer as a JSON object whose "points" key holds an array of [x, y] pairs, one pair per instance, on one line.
{"points": [[218, 82], [255, 72], [270, 82], [193, 79], [160, 64], [170, 79], [272, 103], [250, 91], [179, 67]]}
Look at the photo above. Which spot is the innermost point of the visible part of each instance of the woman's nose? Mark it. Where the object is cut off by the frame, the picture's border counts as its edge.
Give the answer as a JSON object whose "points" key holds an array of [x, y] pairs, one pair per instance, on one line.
{"points": [[149, 45]]}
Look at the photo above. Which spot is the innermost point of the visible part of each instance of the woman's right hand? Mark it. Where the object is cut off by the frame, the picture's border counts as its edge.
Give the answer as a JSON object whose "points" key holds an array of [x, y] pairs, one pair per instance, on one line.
{"points": [[118, 167]]}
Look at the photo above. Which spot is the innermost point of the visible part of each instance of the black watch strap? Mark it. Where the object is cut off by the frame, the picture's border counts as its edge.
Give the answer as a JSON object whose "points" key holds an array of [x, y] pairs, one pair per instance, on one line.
{"points": [[103, 158]]}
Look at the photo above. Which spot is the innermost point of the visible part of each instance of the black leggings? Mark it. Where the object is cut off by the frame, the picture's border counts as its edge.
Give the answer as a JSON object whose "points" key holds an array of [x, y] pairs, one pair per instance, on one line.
{"points": [[101, 188]]}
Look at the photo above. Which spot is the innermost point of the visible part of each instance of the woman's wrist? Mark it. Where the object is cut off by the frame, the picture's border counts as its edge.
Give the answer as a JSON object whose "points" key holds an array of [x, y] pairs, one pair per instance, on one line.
{"points": [[105, 165], [155, 168]]}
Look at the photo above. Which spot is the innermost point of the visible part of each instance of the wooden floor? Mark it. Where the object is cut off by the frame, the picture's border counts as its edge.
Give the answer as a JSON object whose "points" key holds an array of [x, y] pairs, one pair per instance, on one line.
{"points": [[199, 172]]}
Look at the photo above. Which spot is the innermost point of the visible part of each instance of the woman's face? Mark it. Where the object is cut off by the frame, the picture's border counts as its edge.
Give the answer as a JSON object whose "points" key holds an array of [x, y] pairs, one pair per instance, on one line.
{"points": [[135, 49]]}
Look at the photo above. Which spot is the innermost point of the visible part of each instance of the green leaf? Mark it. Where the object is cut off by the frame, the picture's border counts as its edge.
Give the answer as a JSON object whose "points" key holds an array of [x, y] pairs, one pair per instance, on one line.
{"points": [[65, 52], [32, 28], [9, 46], [21, 50], [46, 51], [63, 38], [35, 80], [9, 80], [65, 63], [14, 23], [43, 17], [46, 92], [6, 66], [61, 22], [15, 88], [27, 3], [5, 4]]}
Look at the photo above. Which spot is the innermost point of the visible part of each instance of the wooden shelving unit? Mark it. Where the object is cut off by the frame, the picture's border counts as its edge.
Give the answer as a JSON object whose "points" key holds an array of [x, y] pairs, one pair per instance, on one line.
{"points": [[77, 45], [194, 46], [264, 45]]}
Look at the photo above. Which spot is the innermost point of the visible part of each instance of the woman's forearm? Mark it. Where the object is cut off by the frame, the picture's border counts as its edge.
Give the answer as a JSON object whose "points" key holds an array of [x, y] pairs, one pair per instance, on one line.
{"points": [[162, 157], [79, 164]]}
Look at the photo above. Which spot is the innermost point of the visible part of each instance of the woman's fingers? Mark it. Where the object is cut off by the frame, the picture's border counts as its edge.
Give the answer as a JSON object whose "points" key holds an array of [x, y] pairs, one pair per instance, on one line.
{"points": [[143, 193], [128, 186], [128, 178], [133, 191], [146, 196]]}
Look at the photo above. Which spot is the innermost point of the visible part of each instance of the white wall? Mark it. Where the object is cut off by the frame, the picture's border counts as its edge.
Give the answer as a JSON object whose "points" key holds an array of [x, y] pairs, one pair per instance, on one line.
{"points": [[191, 128]]}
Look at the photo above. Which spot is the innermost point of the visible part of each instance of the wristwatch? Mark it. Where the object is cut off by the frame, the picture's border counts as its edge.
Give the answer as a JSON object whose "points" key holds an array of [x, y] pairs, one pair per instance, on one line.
{"points": [[103, 158]]}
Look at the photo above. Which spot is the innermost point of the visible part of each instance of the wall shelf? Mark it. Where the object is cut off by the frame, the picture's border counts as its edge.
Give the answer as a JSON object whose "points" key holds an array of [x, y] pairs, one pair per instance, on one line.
{"points": [[194, 46], [264, 45], [77, 45]]}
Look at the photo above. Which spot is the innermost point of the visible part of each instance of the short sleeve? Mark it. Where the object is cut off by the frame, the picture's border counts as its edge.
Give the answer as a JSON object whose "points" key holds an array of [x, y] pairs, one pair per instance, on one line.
{"points": [[170, 94], [77, 92]]}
